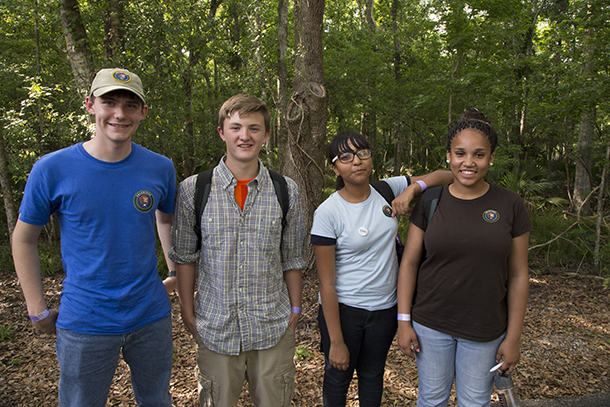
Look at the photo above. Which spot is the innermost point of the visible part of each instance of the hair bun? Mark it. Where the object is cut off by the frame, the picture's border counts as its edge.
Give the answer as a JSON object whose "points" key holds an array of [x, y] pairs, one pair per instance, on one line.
{"points": [[474, 114]]}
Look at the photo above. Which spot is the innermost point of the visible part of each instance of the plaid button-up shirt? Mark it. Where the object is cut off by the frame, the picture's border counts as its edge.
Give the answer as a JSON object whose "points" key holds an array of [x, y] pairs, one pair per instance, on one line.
{"points": [[242, 302]]}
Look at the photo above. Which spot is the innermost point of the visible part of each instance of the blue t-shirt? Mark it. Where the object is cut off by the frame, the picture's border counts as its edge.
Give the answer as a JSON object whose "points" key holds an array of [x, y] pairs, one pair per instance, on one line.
{"points": [[106, 214], [366, 266]]}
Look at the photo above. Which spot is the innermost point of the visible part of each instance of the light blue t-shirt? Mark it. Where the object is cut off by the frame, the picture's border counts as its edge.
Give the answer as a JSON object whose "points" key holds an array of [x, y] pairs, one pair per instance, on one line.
{"points": [[106, 214], [366, 266]]}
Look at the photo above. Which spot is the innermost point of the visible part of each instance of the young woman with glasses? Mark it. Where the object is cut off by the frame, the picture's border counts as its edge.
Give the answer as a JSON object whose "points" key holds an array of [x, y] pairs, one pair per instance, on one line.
{"points": [[353, 235]]}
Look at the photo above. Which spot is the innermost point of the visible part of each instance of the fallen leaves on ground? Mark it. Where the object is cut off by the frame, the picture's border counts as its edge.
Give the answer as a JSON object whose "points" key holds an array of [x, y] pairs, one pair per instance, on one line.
{"points": [[565, 348]]}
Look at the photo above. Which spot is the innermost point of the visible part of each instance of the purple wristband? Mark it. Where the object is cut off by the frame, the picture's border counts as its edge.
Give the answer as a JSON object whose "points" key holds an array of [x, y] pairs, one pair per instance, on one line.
{"points": [[41, 316], [422, 184], [296, 310], [404, 317]]}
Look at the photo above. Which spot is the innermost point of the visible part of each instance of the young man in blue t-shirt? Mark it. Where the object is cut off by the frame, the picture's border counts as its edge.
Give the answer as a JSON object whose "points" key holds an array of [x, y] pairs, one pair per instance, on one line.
{"points": [[108, 194]]}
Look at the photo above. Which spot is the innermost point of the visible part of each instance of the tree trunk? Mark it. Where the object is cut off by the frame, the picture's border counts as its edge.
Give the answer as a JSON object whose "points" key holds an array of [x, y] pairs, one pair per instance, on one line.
{"points": [[76, 43], [397, 149], [307, 112], [582, 176], [455, 63], [113, 40], [369, 117], [282, 82], [398, 81], [7, 188], [600, 211], [196, 58]]}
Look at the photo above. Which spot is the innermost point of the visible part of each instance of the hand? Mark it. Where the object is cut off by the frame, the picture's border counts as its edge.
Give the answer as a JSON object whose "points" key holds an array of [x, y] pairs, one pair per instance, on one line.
{"points": [[407, 339], [170, 283], [400, 205], [47, 325], [509, 352], [189, 320], [294, 320], [338, 356]]}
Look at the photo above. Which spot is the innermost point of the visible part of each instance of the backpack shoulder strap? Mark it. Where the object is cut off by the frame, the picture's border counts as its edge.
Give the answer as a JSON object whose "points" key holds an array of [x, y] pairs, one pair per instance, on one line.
{"points": [[384, 190], [281, 191], [202, 192], [431, 197]]}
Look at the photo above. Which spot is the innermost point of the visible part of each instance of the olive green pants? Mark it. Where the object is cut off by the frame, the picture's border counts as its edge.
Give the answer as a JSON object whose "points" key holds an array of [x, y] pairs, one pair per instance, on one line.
{"points": [[269, 372]]}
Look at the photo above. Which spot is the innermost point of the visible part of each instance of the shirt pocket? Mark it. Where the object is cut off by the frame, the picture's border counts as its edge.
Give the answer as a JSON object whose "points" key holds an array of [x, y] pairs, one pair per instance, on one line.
{"points": [[269, 234], [216, 235]]}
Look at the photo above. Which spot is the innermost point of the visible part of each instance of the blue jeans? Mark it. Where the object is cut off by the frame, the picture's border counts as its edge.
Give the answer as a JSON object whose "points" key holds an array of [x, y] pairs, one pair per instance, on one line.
{"points": [[87, 364], [368, 336], [443, 357]]}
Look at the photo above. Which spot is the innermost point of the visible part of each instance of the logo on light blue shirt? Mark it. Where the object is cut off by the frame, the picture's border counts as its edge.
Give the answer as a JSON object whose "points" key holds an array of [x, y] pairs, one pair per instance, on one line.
{"points": [[143, 201], [387, 211]]}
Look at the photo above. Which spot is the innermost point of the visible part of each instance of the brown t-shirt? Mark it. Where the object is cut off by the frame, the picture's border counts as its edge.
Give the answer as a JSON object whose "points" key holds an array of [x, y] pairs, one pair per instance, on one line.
{"points": [[461, 286]]}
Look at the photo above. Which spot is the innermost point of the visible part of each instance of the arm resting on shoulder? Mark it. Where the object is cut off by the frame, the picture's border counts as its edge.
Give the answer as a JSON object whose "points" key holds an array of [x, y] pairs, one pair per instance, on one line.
{"points": [[164, 229], [27, 265], [407, 278], [400, 205], [518, 291], [338, 354], [294, 283]]}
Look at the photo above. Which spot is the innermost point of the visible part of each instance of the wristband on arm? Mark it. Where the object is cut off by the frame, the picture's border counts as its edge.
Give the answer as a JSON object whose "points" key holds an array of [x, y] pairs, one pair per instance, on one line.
{"points": [[296, 310], [41, 316], [422, 184], [404, 317]]}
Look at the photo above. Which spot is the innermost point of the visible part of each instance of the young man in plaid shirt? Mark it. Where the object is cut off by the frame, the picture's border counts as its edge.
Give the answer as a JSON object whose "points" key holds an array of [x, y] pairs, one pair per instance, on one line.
{"points": [[248, 301]]}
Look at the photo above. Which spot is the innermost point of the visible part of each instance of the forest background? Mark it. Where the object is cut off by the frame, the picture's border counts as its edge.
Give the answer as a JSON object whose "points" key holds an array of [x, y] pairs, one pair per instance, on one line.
{"points": [[397, 71]]}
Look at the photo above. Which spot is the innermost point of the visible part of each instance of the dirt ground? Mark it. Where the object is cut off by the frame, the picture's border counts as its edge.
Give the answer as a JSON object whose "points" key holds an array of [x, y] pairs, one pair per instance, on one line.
{"points": [[565, 348]]}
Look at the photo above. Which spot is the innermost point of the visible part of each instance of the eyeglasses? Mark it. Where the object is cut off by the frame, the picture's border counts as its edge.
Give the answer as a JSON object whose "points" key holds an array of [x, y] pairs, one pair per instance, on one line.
{"points": [[347, 158]]}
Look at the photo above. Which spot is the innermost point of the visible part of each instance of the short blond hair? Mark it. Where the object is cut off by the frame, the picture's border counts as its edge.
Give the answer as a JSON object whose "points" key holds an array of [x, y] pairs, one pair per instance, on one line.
{"points": [[244, 104]]}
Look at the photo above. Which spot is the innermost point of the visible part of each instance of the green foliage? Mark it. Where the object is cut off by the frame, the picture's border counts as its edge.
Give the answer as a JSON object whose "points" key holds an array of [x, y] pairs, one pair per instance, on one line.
{"points": [[6, 258], [572, 241], [400, 79], [533, 192], [301, 352], [6, 333], [50, 259]]}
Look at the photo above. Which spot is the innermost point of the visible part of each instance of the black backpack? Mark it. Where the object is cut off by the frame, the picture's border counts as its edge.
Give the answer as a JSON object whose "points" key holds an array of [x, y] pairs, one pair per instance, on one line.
{"points": [[386, 192], [431, 198], [202, 192]]}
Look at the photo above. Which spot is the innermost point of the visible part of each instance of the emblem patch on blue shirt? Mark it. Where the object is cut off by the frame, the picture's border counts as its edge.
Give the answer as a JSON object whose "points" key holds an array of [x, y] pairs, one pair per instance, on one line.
{"points": [[143, 201], [387, 211], [491, 216]]}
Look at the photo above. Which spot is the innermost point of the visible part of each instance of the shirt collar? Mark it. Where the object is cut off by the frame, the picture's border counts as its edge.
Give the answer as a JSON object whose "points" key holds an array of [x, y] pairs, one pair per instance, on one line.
{"points": [[226, 178]]}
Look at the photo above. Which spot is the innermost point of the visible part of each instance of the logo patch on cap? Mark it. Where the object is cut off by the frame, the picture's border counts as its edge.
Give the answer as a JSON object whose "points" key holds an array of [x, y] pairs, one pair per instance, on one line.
{"points": [[120, 76], [143, 201], [491, 216]]}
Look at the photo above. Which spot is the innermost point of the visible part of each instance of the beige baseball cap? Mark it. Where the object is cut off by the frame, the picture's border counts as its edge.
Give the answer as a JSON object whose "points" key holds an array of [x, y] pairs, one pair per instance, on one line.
{"points": [[111, 79]]}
